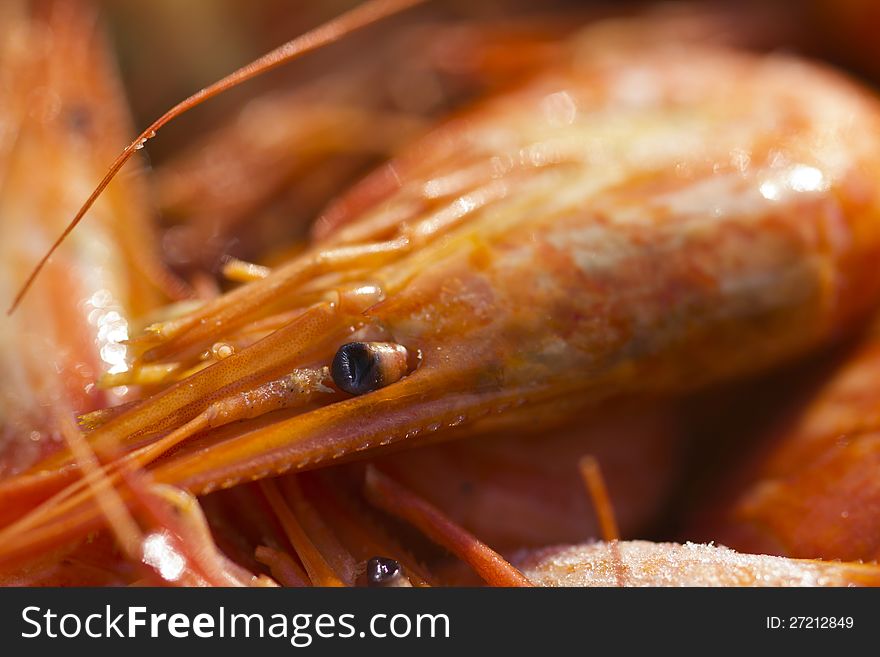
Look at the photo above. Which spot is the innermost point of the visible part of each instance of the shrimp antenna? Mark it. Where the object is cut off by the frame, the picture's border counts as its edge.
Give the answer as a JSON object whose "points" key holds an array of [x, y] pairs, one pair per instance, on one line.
{"points": [[361, 16], [591, 473]]}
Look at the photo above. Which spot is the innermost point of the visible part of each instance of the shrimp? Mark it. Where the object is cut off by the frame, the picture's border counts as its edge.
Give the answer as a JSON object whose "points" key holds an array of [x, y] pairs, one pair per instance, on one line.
{"points": [[62, 116], [812, 492], [619, 225], [640, 563], [59, 116]]}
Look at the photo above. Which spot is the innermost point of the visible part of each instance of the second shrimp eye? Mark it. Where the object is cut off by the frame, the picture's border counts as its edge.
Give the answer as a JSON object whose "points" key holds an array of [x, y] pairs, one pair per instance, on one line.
{"points": [[362, 367], [384, 572]]}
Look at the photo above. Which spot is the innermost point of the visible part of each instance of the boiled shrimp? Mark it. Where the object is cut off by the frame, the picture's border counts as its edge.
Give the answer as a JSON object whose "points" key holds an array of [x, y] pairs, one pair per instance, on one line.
{"points": [[60, 114], [617, 226], [640, 563], [811, 491]]}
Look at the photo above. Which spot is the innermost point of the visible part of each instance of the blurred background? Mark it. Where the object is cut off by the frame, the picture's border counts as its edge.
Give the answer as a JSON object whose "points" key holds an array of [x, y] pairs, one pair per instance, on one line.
{"points": [[168, 49]]}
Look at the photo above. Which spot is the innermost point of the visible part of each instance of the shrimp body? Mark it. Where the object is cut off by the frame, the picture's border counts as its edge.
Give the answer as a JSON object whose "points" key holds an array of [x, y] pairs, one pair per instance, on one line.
{"points": [[621, 225], [640, 563], [814, 491], [60, 118]]}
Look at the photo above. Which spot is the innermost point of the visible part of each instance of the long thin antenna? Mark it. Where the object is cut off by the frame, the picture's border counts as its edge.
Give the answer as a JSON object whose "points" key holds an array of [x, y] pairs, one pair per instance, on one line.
{"points": [[392, 497], [363, 15], [591, 473]]}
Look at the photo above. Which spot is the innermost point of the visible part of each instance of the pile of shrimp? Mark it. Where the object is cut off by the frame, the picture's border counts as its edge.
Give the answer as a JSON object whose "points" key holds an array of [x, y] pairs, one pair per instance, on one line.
{"points": [[568, 300]]}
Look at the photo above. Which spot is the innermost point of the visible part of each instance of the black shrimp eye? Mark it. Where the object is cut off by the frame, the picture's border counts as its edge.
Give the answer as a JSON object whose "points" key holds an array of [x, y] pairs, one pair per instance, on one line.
{"points": [[385, 572], [362, 367]]}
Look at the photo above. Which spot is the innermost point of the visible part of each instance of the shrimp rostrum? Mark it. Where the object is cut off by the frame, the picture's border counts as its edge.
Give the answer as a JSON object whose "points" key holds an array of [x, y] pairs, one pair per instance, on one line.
{"points": [[639, 219]]}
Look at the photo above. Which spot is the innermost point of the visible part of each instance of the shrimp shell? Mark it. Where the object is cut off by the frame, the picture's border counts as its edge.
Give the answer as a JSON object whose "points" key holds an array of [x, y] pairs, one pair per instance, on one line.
{"points": [[640, 563], [619, 225], [812, 491]]}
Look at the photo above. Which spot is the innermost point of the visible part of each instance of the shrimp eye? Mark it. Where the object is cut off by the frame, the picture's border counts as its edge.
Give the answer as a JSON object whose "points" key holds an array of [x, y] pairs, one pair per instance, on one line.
{"points": [[382, 571], [362, 367]]}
